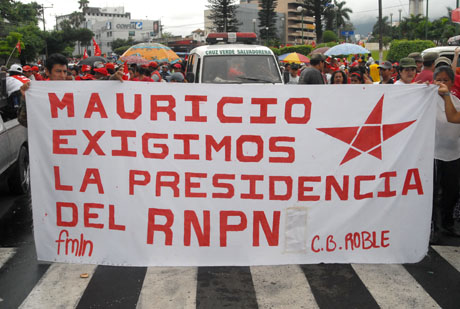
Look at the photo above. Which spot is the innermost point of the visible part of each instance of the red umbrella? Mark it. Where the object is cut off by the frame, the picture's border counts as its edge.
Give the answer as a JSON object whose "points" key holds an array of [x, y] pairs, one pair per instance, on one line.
{"points": [[320, 50]]}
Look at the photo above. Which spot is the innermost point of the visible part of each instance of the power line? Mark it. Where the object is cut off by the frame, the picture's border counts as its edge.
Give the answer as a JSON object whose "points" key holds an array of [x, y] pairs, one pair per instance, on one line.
{"points": [[388, 7], [167, 27]]}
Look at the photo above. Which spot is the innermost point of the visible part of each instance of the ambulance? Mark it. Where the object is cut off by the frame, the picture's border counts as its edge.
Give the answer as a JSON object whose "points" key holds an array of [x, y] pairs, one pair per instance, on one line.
{"points": [[230, 58]]}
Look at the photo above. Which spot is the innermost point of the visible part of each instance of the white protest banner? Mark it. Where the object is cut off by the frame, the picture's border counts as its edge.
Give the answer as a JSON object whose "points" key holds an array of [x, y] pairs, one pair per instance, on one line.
{"points": [[151, 174]]}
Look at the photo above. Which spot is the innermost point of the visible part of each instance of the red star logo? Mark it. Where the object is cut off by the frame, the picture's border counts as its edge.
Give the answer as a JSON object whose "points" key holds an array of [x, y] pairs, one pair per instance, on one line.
{"points": [[369, 137]]}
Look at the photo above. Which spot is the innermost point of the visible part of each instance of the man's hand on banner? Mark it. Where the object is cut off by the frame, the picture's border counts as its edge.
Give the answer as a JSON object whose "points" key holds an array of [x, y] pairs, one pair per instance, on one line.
{"points": [[24, 88], [118, 75]]}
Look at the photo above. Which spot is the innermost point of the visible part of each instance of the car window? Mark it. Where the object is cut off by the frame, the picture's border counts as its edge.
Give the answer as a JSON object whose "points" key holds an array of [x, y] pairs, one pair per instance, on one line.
{"points": [[240, 69]]}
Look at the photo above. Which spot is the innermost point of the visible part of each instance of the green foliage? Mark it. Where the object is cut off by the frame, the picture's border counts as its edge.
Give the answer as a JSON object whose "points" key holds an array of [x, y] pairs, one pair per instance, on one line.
{"points": [[121, 49], [401, 48], [275, 50], [329, 36], [7, 45], [267, 19], [300, 49], [122, 43], [223, 15], [329, 44], [416, 27], [33, 43]]}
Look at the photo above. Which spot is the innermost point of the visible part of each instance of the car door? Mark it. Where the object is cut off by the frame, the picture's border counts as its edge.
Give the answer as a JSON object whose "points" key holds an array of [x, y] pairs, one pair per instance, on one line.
{"points": [[5, 149]]}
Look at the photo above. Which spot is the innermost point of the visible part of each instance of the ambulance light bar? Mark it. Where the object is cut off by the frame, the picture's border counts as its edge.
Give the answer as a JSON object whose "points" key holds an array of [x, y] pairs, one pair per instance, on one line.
{"points": [[231, 37]]}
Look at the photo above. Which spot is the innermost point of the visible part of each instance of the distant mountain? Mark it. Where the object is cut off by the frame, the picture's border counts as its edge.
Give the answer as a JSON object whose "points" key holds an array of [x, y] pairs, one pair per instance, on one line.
{"points": [[364, 27]]}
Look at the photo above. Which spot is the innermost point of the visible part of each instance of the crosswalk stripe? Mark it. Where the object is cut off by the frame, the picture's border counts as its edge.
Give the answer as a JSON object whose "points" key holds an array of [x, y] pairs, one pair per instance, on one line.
{"points": [[60, 287], [113, 287], [19, 275], [438, 278], [225, 287], [450, 254], [337, 286], [6, 254], [169, 287], [393, 287], [282, 286]]}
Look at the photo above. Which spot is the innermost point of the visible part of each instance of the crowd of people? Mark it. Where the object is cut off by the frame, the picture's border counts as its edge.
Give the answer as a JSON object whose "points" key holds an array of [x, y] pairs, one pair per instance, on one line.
{"points": [[322, 70]]}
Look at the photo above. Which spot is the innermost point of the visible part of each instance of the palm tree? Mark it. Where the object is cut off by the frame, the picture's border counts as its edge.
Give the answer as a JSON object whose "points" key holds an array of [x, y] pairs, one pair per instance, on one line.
{"points": [[336, 15], [386, 28], [342, 13], [83, 5]]}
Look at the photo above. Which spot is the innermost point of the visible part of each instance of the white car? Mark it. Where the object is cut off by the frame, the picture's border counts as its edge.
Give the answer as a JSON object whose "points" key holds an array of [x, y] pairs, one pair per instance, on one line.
{"points": [[231, 59], [443, 51], [14, 155]]}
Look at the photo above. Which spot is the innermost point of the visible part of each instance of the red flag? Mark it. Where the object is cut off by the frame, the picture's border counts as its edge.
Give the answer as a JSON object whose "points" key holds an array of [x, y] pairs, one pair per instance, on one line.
{"points": [[85, 54], [456, 16], [125, 71], [313, 44], [97, 50], [18, 46]]}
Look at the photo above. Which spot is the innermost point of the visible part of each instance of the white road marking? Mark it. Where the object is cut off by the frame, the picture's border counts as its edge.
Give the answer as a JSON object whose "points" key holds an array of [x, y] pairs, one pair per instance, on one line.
{"points": [[450, 254], [169, 287], [282, 287], [393, 287], [60, 287], [6, 254]]}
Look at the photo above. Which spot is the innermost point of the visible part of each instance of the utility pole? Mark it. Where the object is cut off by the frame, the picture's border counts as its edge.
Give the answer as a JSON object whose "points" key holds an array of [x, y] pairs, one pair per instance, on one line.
{"points": [[426, 22], [381, 33], [43, 7], [400, 10]]}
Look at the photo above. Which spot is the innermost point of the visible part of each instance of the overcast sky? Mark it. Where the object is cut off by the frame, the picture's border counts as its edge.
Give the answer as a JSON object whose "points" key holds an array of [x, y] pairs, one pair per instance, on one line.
{"points": [[183, 16]]}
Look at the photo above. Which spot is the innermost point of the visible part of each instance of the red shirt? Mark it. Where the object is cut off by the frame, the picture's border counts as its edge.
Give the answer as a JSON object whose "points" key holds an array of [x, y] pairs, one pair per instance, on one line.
{"points": [[424, 76], [455, 89]]}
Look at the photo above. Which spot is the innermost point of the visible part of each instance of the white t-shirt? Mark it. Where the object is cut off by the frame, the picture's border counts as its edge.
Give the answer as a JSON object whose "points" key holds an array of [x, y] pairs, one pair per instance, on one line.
{"points": [[447, 136], [400, 82], [293, 80]]}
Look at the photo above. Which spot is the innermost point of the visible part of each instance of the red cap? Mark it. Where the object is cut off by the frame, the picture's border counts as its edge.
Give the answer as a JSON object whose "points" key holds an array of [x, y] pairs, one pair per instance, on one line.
{"points": [[153, 64], [85, 68], [26, 68], [145, 66], [35, 68], [177, 66], [102, 71], [110, 66]]}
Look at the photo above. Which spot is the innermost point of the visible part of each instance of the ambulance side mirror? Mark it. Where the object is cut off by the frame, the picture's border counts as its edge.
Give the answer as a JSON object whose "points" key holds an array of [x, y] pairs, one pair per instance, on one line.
{"points": [[190, 77]]}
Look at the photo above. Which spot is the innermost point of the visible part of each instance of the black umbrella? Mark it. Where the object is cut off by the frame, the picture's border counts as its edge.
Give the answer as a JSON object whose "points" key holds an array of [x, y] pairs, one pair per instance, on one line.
{"points": [[90, 60]]}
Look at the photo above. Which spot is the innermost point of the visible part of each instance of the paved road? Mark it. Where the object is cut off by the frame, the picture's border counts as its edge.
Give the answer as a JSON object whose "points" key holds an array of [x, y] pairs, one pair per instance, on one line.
{"points": [[25, 283]]}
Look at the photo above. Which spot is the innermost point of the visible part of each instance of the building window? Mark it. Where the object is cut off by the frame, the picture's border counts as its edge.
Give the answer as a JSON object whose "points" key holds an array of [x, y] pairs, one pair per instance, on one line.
{"points": [[132, 33]]}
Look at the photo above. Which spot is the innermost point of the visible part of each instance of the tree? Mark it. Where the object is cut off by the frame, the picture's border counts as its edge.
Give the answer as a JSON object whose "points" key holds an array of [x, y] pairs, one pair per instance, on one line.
{"points": [[14, 14], [317, 9], [267, 19], [83, 5], [329, 36], [341, 13], [223, 15], [32, 37], [386, 27], [7, 45]]}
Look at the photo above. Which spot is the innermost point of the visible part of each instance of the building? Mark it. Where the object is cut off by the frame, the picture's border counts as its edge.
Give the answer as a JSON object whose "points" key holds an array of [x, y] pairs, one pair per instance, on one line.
{"points": [[416, 7], [288, 21], [111, 23]]}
